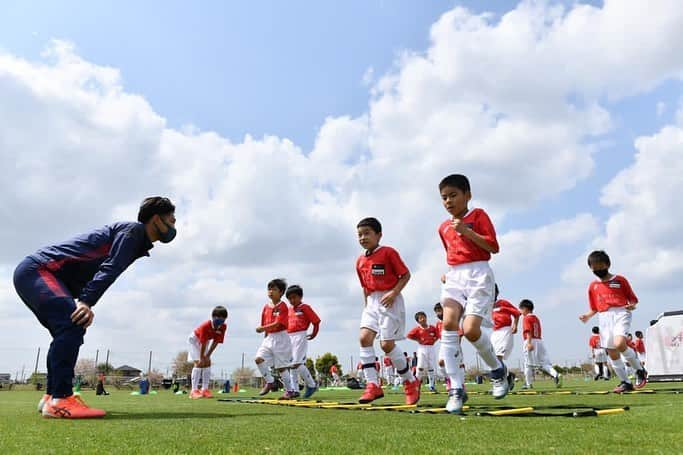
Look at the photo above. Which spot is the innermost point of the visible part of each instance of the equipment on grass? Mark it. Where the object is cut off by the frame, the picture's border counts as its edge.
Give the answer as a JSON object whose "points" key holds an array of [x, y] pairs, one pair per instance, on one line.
{"points": [[664, 348]]}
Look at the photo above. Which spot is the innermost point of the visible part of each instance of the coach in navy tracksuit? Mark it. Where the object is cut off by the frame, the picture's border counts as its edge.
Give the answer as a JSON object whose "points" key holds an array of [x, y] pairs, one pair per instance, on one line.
{"points": [[61, 283]]}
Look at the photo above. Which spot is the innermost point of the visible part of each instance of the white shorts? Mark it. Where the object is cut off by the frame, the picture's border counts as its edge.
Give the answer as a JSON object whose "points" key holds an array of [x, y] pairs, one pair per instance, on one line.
{"points": [[426, 357], [472, 285], [538, 357], [614, 322], [389, 323], [599, 355], [276, 350], [299, 346], [195, 348], [502, 341]]}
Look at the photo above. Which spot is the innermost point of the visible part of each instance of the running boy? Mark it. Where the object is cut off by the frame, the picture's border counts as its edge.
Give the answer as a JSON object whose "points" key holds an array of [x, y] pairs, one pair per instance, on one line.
{"points": [[382, 276], [301, 316], [425, 335], [599, 355], [61, 283], [276, 348], [611, 297], [535, 355], [203, 341], [639, 346], [469, 239]]}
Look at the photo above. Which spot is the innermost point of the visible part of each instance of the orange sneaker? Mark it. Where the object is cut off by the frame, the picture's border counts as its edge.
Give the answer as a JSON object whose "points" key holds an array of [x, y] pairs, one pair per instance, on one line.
{"points": [[372, 392], [195, 394], [72, 407], [42, 402], [206, 393], [412, 390]]}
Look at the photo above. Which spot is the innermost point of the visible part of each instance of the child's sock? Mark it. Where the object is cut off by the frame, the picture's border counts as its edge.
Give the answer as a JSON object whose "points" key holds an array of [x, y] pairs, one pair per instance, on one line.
{"points": [[287, 380], [401, 365], [430, 375], [206, 378], [528, 375], [632, 358], [452, 358], [620, 370], [485, 349], [550, 370], [265, 372], [196, 376], [306, 376], [294, 375], [367, 358]]}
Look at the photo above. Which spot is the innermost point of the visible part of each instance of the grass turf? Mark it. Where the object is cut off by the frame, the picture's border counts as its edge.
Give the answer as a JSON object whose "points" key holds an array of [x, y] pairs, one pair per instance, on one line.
{"points": [[167, 423]]}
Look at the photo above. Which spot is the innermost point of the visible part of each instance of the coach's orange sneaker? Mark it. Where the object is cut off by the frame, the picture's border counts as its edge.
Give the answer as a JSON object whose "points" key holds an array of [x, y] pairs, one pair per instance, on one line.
{"points": [[412, 390], [42, 402], [72, 407], [195, 394], [206, 393], [372, 392]]}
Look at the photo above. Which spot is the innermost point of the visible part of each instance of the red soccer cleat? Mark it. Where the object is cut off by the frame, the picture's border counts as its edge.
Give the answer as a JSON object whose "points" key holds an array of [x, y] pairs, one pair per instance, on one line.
{"points": [[412, 390], [206, 393], [372, 392], [72, 407], [196, 394]]}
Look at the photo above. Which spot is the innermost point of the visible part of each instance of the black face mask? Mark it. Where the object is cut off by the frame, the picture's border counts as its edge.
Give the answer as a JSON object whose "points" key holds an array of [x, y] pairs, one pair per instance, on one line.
{"points": [[601, 273], [439, 317], [165, 237]]}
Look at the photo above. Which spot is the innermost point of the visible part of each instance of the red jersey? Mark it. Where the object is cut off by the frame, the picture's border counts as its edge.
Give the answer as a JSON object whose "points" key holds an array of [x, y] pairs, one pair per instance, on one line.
{"points": [[503, 312], [206, 332], [617, 292], [460, 249], [275, 313], [333, 369], [387, 362], [381, 269], [639, 346], [531, 326], [425, 336], [300, 317], [439, 328], [594, 342]]}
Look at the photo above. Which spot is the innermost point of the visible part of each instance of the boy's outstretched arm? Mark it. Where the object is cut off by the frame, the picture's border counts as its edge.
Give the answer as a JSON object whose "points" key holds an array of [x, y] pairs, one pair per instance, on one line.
{"points": [[586, 316]]}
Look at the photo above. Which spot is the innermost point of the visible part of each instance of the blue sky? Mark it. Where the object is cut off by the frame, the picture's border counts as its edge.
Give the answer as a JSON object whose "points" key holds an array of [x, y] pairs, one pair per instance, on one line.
{"points": [[282, 68]]}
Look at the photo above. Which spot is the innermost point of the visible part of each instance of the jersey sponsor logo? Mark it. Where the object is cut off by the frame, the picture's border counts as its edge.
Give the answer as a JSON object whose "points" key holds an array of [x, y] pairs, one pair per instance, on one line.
{"points": [[615, 285], [378, 269]]}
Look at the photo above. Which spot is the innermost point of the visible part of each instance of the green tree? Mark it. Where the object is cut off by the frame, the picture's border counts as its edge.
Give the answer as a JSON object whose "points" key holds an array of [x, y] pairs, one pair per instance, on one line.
{"points": [[104, 367], [310, 365], [180, 366]]}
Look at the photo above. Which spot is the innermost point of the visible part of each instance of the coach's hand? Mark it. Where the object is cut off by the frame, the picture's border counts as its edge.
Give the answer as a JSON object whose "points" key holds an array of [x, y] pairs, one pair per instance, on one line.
{"points": [[83, 315]]}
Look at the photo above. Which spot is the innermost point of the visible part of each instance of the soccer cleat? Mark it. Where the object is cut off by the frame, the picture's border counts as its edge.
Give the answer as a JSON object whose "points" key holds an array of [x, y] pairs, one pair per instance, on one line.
{"points": [[267, 388], [456, 399], [294, 393], [372, 392], [206, 393], [527, 387], [288, 395], [195, 394], [412, 391], [623, 387], [558, 380], [499, 382], [42, 401], [511, 381], [641, 378], [310, 391], [433, 389], [72, 407]]}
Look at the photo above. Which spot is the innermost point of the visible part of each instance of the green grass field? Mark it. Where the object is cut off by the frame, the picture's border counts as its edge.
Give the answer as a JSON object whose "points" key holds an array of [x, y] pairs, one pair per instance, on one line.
{"points": [[167, 423]]}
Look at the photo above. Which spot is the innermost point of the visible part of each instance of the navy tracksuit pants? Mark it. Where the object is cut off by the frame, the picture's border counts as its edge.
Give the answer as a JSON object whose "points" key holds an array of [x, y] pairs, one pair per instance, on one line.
{"points": [[52, 304]]}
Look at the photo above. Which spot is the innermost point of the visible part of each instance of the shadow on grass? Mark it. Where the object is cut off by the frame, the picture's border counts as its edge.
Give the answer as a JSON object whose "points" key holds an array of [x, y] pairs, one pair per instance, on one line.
{"points": [[183, 415]]}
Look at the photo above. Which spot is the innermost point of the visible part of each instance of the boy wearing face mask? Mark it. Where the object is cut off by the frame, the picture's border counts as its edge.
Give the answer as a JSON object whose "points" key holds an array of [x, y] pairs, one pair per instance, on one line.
{"points": [[61, 283], [203, 341], [612, 298]]}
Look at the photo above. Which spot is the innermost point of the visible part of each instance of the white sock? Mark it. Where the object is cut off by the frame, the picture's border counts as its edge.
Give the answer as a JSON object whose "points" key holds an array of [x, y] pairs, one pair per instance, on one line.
{"points": [[287, 380], [430, 375], [485, 349], [196, 376], [265, 372], [306, 375], [620, 369], [367, 358], [401, 365], [294, 375], [452, 358], [206, 378], [632, 358], [528, 375], [550, 370]]}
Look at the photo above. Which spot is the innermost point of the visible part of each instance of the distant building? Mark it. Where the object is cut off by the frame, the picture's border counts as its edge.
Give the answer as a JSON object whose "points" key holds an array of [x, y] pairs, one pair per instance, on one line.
{"points": [[5, 378], [127, 372]]}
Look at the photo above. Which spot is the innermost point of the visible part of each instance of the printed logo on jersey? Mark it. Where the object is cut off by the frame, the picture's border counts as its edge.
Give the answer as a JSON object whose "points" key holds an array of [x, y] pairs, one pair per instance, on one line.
{"points": [[378, 269], [614, 285]]}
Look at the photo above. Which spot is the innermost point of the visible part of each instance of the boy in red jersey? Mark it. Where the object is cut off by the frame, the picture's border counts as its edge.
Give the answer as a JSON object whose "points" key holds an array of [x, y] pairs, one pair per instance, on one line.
{"points": [[468, 289], [599, 355], [203, 341], [611, 297], [301, 316], [639, 346], [276, 349], [382, 275], [425, 335], [389, 372], [535, 355]]}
